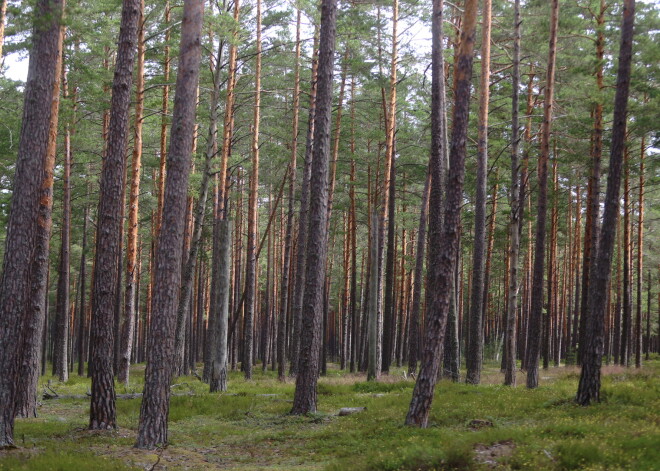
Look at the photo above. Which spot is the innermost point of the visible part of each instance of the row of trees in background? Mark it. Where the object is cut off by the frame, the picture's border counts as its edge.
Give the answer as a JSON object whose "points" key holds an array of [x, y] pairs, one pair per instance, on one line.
{"points": [[349, 246]]}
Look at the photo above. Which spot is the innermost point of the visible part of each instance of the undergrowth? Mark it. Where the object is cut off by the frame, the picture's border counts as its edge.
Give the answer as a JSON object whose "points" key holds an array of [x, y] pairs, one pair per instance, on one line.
{"points": [[249, 428]]}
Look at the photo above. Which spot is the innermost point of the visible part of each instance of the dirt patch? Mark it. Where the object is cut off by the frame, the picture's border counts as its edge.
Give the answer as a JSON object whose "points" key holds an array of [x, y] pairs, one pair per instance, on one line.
{"points": [[489, 455]]}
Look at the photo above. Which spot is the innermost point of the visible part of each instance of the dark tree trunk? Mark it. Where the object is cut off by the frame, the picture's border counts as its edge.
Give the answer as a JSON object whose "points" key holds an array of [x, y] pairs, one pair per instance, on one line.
{"points": [[589, 387], [25, 216], [288, 239], [479, 297], [130, 303], [414, 331], [303, 218], [514, 202], [152, 429], [443, 244], [536, 312], [109, 227], [305, 394]]}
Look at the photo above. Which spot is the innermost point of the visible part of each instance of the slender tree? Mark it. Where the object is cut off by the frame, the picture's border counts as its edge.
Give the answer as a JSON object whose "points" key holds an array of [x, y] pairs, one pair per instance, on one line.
{"points": [[130, 300], [589, 386], [288, 239], [474, 357], [152, 428], [514, 202], [536, 312], [253, 215]]}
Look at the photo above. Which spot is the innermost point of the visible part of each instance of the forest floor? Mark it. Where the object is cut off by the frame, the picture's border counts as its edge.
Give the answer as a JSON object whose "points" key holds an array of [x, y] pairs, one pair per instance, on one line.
{"points": [[471, 427]]}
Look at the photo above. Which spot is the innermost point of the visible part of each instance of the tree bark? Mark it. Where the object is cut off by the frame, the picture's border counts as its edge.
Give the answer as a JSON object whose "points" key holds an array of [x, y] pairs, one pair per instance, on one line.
{"points": [[418, 278], [536, 311], [305, 396], [474, 357], [589, 386], [443, 244], [640, 258], [218, 380], [253, 217], [128, 325], [288, 238], [108, 236], [152, 429], [25, 216], [514, 203]]}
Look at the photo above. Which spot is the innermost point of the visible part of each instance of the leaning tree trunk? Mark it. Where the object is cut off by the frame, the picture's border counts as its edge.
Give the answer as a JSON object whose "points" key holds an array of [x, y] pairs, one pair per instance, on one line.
{"points": [[474, 357], [536, 312], [443, 244], [128, 326], [589, 386], [22, 226], [514, 203], [103, 413], [152, 429], [305, 396]]}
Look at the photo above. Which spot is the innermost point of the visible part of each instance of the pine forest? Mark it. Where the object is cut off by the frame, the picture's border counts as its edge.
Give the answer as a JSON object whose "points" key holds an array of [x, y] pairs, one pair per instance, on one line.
{"points": [[330, 234]]}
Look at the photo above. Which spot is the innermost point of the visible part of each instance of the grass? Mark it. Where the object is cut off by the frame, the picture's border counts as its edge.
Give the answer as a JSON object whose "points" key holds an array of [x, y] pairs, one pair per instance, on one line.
{"points": [[249, 427]]}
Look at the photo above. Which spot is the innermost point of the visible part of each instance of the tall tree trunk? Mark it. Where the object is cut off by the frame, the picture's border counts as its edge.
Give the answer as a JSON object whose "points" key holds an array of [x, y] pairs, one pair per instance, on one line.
{"points": [[37, 307], [305, 395], [288, 239], [128, 325], [388, 207], [418, 278], [219, 210], [443, 244], [63, 282], [187, 282], [253, 217], [514, 203], [82, 308], [536, 312], [373, 372], [25, 216], [474, 357], [303, 219], [589, 386], [626, 334], [593, 192], [152, 428], [640, 258], [163, 119], [108, 235]]}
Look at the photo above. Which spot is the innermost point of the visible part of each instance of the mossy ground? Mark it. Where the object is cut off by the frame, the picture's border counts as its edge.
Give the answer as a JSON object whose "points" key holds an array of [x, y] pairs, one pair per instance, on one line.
{"points": [[249, 427]]}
